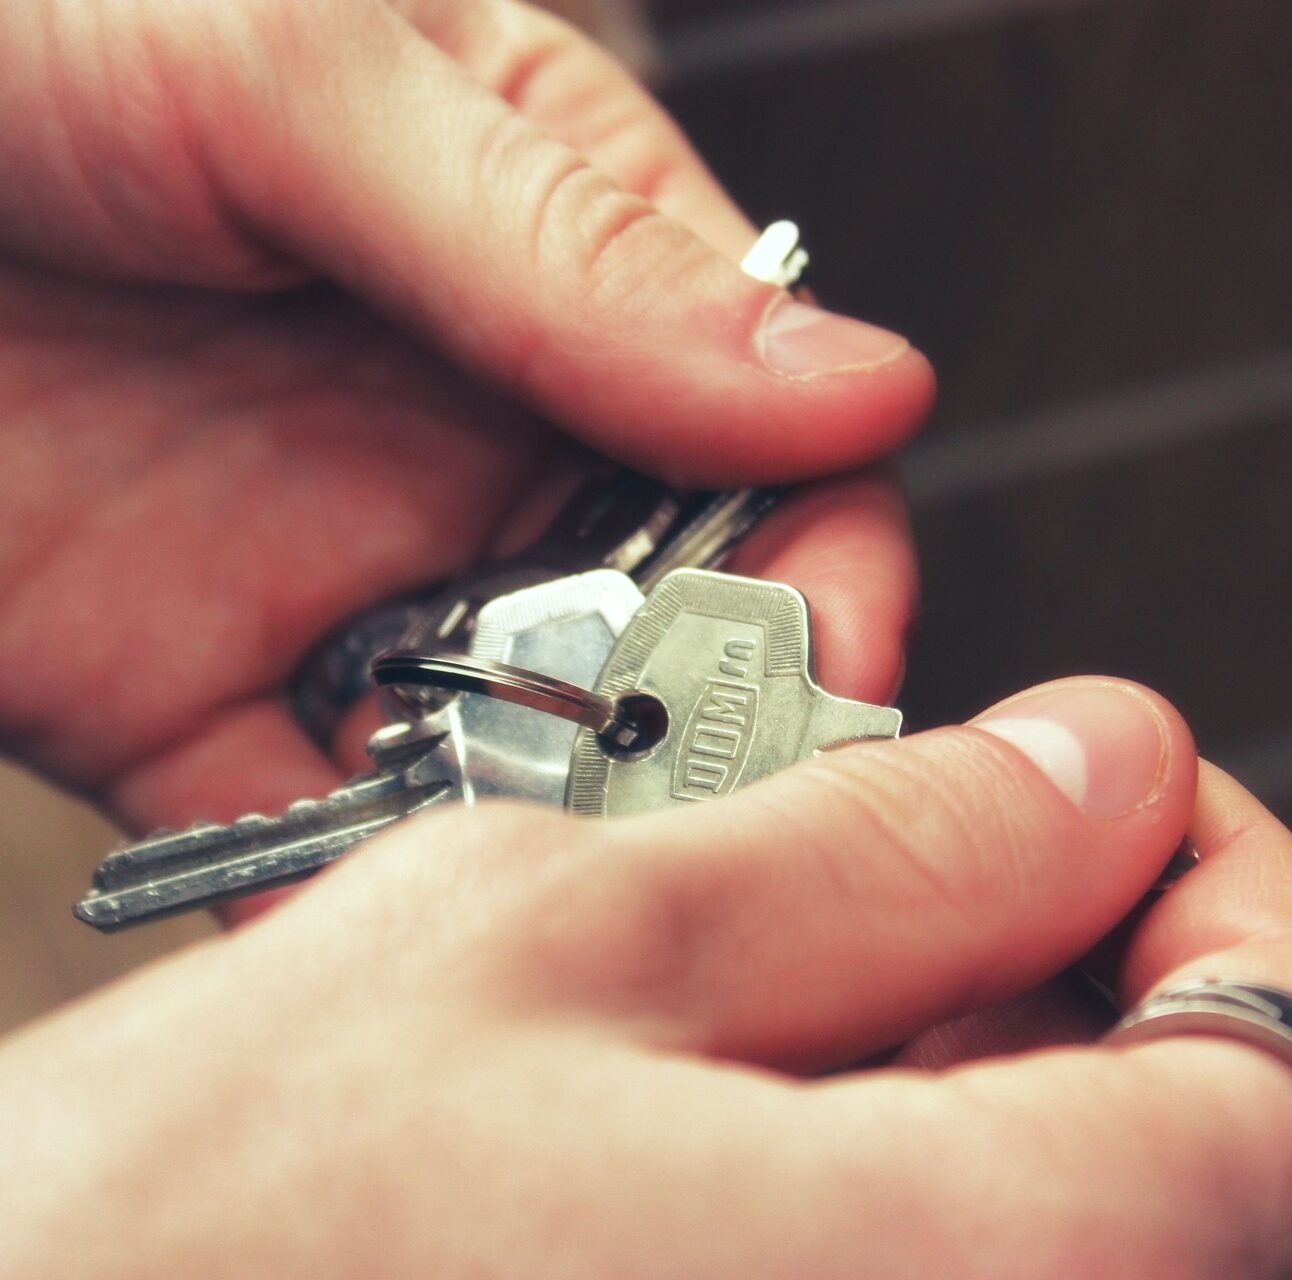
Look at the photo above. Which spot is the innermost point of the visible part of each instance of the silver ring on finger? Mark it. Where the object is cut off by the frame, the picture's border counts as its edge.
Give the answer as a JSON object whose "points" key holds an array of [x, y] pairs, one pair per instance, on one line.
{"points": [[1260, 1015]]}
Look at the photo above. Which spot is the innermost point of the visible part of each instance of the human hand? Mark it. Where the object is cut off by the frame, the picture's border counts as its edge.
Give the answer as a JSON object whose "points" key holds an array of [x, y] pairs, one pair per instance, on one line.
{"points": [[514, 1043], [231, 235]]}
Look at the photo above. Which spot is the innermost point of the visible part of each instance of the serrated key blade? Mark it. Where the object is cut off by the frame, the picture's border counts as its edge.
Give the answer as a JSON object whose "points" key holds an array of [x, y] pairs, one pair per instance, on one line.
{"points": [[206, 864]]}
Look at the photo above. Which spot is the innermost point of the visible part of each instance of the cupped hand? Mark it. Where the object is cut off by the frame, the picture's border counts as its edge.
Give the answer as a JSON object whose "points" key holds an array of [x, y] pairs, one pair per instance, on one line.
{"points": [[283, 288], [514, 1043]]}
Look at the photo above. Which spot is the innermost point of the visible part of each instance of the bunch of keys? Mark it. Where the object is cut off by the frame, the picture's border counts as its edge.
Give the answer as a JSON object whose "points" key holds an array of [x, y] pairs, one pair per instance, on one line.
{"points": [[611, 669]]}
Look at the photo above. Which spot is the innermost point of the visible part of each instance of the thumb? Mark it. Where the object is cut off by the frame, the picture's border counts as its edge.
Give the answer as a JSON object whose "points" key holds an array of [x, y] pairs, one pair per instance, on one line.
{"points": [[849, 902], [373, 155]]}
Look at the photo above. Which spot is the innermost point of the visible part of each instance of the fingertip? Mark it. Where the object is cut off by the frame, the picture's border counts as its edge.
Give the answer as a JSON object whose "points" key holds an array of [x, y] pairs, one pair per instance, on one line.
{"points": [[1112, 747], [777, 427], [953, 869], [846, 412], [1231, 915]]}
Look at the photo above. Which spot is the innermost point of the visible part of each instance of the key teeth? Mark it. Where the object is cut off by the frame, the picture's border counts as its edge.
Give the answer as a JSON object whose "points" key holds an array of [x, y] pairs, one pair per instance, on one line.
{"points": [[166, 855], [128, 852], [203, 828], [164, 845]]}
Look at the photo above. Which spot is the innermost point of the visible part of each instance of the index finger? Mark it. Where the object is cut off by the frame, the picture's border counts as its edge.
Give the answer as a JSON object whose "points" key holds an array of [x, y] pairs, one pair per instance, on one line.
{"points": [[1231, 915], [392, 169], [574, 90]]}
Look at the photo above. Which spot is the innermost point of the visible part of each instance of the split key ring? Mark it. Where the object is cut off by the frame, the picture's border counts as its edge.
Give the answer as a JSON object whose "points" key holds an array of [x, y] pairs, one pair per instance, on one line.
{"points": [[525, 688]]}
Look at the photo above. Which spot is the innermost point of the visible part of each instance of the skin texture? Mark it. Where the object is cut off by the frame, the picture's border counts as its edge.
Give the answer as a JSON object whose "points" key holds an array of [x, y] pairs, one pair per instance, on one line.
{"points": [[288, 295], [516, 1044], [284, 290]]}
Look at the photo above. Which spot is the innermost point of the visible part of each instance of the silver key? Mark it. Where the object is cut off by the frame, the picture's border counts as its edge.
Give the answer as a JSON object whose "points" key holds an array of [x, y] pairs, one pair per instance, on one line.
{"points": [[477, 747], [727, 664], [177, 871], [563, 629], [468, 747], [724, 661]]}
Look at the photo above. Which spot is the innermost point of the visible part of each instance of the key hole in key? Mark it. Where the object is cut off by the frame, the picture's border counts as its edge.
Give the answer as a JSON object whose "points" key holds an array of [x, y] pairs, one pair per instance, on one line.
{"points": [[649, 716]]}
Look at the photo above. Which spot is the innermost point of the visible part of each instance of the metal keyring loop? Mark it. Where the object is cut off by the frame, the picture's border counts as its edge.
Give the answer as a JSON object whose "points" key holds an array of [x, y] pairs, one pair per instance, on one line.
{"points": [[1259, 1015], [518, 685]]}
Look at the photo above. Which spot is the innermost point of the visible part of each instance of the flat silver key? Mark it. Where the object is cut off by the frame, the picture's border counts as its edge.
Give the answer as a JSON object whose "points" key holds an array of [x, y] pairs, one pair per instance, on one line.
{"points": [[463, 747], [206, 864], [563, 629], [727, 664], [725, 660], [475, 748]]}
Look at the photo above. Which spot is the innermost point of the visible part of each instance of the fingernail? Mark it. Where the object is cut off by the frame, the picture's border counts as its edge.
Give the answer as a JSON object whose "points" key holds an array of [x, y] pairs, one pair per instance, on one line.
{"points": [[800, 341], [1103, 744]]}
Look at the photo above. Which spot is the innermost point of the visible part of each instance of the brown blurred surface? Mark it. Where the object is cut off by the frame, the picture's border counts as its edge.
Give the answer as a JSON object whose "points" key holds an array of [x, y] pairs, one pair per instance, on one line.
{"points": [[49, 845]]}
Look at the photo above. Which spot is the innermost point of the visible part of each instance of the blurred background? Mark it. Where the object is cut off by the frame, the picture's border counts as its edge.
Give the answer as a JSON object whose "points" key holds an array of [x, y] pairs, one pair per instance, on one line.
{"points": [[1081, 209]]}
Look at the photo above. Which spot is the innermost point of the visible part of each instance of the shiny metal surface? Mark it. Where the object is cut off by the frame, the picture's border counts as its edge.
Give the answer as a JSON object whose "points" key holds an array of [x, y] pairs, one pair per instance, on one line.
{"points": [[476, 747], [706, 532], [730, 660], [179, 871], [1228, 1007], [565, 629], [517, 685]]}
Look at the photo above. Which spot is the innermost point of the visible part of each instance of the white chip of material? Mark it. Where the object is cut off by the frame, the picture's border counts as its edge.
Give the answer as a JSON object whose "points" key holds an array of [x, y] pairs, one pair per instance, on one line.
{"points": [[776, 257]]}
